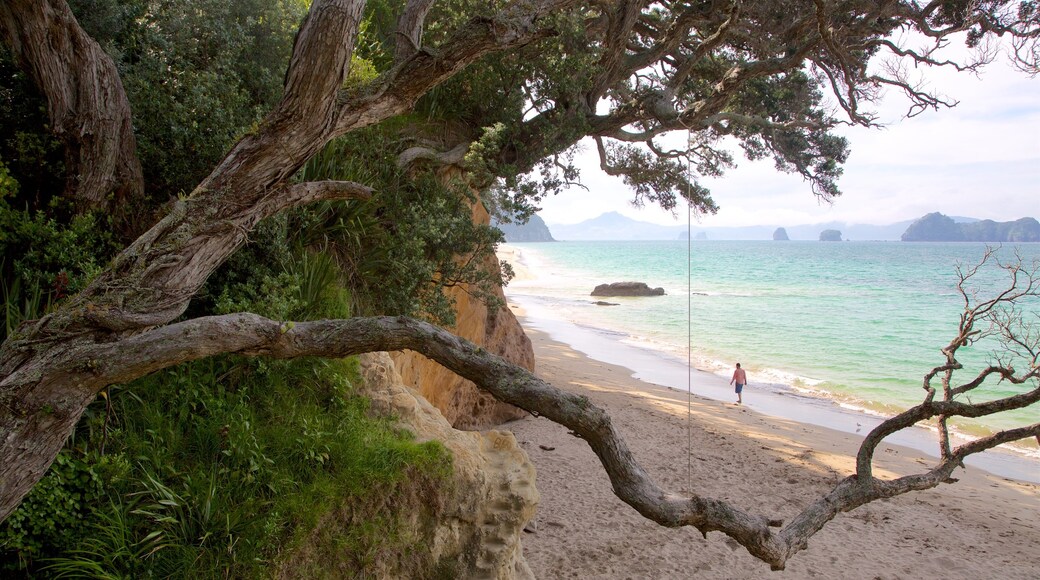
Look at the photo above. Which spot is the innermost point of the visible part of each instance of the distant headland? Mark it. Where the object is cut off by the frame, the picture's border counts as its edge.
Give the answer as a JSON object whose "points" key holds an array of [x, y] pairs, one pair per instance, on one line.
{"points": [[936, 227], [534, 230]]}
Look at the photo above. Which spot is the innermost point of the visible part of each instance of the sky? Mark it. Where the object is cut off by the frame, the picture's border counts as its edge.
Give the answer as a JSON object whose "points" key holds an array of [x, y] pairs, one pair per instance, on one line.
{"points": [[980, 159]]}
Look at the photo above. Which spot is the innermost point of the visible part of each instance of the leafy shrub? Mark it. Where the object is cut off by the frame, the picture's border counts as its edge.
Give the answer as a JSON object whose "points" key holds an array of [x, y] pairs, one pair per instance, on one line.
{"points": [[50, 517], [45, 259], [246, 463], [402, 249]]}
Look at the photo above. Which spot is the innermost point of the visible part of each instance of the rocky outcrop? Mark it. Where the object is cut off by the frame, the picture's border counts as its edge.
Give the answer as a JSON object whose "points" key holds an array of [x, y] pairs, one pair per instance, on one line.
{"points": [[780, 235], [492, 496], [498, 331], [627, 289], [534, 230], [830, 236]]}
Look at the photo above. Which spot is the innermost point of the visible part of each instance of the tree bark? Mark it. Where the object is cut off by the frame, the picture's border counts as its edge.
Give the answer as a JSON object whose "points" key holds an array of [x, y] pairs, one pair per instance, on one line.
{"points": [[410, 28], [86, 103], [47, 372]]}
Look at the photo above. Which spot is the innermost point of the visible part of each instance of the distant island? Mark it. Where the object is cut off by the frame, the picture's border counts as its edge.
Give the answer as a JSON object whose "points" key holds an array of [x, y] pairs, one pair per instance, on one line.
{"points": [[534, 230], [936, 227], [616, 227], [932, 227], [830, 236]]}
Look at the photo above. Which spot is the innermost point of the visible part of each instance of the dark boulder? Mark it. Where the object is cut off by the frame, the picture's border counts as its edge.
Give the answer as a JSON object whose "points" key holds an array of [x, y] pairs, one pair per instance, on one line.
{"points": [[627, 289]]}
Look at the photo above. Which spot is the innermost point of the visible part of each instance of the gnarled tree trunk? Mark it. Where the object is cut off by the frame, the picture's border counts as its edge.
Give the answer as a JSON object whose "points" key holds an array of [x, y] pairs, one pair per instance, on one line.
{"points": [[87, 105], [50, 370]]}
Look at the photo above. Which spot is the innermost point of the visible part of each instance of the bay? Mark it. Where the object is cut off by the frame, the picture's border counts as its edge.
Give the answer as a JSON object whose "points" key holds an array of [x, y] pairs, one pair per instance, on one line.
{"points": [[853, 324]]}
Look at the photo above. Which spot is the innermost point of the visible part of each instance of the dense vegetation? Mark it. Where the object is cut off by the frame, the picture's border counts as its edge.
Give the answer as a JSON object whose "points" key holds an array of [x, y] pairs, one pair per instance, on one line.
{"points": [[231, 478], [404, 108]]}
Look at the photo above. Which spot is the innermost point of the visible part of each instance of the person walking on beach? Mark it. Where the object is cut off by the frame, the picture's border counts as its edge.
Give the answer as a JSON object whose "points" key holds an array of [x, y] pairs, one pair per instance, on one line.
{"points": [[739, 377]]}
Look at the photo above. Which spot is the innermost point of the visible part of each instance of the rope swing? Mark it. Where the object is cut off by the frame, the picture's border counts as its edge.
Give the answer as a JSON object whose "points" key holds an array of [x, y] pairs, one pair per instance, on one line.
{"points": [[689, 314]]}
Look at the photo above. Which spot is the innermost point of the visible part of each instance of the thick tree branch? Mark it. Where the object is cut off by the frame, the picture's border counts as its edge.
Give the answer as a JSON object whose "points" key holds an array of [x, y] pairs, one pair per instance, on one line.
{"points": [[620, 22], [312, 191], [44, 382], [252, 335], [249, 334], [451, 157], [410, 28], [50, 371], [86, 103], [394, 92]]}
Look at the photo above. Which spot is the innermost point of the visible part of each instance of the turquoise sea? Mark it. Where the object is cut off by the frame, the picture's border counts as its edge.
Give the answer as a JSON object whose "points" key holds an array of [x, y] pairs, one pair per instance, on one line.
{"points": [[854, 324]]}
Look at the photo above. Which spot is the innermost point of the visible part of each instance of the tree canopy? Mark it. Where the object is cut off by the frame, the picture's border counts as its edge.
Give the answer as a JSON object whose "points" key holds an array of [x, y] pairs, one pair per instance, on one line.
{"points": [[490, 96]]}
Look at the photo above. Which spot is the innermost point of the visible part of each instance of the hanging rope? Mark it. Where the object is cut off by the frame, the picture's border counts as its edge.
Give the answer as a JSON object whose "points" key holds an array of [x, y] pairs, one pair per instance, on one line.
{"points": [[689, 317]]}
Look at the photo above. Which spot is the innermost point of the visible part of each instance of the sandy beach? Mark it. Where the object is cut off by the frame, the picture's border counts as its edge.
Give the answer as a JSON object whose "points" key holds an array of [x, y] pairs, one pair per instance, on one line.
{"points": [[984, 526]]}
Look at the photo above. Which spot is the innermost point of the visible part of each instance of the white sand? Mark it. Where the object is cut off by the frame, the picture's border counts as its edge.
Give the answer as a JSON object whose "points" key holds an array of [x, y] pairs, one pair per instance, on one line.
{"points": [[980, 528]]}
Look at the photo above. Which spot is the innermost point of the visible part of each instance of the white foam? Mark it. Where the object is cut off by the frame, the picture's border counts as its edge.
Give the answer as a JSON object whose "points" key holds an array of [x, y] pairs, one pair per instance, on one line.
{"points": [[668, 367]]}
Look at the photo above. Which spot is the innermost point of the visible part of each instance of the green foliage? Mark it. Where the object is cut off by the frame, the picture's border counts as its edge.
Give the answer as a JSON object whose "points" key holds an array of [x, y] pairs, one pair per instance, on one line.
{"points": [[46, 260], [111, 548], [8, 184], [198, 75], [51, 515], [413, 240], [19, 304], [658, 180], [31, 159], [235, 476]]}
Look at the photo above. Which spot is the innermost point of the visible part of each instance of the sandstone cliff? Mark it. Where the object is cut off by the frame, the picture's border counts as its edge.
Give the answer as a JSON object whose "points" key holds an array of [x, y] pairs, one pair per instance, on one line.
{"points": [[492, 496], [498, 331]]}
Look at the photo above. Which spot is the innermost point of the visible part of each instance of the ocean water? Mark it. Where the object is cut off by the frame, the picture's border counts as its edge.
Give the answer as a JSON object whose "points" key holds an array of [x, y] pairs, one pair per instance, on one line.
{"points": [[853, 324]]}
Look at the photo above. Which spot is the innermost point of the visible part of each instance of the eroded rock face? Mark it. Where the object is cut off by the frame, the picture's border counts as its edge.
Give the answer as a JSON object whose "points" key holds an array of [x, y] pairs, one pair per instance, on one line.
{"points": [[492, 497], [498, 331], [627, 289]]}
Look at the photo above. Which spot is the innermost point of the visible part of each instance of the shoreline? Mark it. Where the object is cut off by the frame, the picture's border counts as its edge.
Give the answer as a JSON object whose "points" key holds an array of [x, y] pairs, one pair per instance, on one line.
{"points": [[666, 369], [657, 369], [764, 464]]}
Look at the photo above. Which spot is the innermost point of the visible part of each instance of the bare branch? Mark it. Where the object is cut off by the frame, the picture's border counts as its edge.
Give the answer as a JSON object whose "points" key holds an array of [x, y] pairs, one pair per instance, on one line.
{"points": [[1006, 325], [312, 191], [253, 335]]}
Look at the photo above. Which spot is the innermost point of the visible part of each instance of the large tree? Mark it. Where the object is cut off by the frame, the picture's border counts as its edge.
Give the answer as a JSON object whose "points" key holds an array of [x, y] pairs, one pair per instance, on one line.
{"points": [[522, 82]]}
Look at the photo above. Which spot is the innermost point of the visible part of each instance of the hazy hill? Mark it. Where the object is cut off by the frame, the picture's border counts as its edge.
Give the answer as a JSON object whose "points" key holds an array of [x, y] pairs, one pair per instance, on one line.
{"points": [[614, 226]]}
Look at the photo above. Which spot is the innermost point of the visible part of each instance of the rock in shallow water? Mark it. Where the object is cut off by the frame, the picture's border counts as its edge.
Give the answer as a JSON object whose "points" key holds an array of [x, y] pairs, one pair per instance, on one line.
{"points": [[627, 289]]}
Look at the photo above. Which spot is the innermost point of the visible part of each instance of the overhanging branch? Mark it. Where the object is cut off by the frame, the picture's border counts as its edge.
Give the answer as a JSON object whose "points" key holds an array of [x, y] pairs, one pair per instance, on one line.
{"points": [[252, 335]]}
